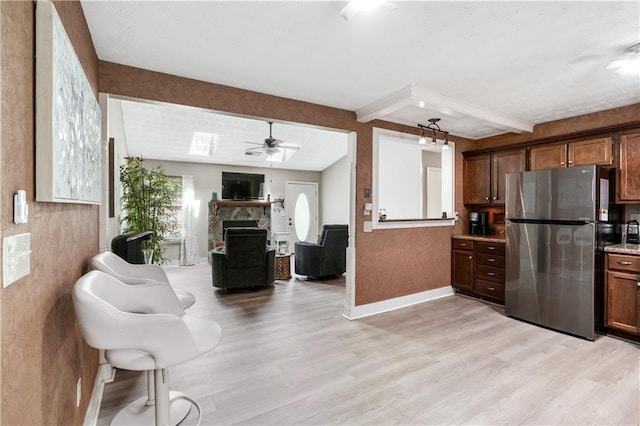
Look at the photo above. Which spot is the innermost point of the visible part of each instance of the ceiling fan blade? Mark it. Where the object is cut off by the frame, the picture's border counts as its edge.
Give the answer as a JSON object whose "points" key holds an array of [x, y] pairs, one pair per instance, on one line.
{"points": [[255, 148], [289, 146], [253, 153], [254, 143]]}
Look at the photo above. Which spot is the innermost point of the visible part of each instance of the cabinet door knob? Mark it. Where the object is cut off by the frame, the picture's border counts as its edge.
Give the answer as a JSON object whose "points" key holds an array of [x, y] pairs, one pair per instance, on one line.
{"points": [[470, 257], [624, 263], [562, 163], [486, 198], [570, 162], [638, 283]]}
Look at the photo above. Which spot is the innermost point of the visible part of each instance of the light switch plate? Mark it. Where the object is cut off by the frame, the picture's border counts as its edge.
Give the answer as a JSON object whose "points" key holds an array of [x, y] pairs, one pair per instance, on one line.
{"points": [[16, 258]]}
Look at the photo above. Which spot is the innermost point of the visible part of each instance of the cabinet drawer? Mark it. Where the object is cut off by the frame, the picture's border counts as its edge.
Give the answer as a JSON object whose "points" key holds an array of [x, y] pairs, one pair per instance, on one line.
{"points": [[458, 244], [490, 289], [490, 260], [492, 248], [490, 273], [621, 262]]}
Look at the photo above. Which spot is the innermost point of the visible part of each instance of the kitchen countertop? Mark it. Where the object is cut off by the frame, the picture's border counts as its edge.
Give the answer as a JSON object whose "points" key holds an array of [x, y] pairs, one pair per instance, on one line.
{"points": [[624, 249], [485, 238]]}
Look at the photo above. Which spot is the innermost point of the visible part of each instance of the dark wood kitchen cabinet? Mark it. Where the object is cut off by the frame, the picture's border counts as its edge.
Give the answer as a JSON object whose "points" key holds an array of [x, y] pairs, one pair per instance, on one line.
{"points": [[477, 268], [629, 172], [477, 189], [462, 264], [581, 153], [622, 296]]}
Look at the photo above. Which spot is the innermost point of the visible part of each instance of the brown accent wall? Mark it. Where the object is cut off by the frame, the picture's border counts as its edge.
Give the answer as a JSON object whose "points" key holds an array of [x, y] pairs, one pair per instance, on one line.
{"points": [[42, 350], [566, 126]]}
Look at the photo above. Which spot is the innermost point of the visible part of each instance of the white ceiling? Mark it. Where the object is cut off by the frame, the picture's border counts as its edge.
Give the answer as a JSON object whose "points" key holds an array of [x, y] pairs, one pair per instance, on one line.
{"points": [[485, 68], [165, 132]]}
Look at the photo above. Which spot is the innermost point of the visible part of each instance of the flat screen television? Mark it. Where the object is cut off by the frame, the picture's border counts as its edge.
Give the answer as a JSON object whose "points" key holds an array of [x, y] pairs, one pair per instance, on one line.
{"points": [[242, 186]]}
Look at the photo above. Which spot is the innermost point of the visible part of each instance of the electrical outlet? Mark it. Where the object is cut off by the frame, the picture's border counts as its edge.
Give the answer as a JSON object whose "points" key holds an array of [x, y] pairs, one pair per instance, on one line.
{"points": [[367, 226], [78, 391]]}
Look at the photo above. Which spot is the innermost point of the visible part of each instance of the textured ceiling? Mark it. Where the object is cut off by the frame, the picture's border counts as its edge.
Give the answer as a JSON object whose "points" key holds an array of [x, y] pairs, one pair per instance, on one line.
{"points": [[532, 61], [166, 132]]}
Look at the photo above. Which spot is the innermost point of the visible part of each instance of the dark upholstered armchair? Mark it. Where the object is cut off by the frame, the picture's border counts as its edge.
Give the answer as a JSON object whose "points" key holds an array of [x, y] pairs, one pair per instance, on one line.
{"points": [[245, 261], [327, 257]]}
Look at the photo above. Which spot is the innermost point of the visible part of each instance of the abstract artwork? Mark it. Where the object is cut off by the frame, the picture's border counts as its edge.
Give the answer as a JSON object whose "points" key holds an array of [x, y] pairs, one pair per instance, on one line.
{"points": [[68, 118]]}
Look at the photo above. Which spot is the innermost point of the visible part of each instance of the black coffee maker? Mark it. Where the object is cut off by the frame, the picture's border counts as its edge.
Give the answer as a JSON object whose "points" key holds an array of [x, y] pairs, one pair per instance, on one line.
{"points": [[633, 232], [478, 223]]}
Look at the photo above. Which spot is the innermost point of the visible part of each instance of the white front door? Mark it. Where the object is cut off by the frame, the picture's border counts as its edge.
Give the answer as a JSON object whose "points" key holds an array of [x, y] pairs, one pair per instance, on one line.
{"points": [[302, 211]]}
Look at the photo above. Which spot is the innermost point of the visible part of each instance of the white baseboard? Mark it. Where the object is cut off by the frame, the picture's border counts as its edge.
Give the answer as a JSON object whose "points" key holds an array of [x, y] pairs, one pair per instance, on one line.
{"points": [[105, 374], [355, 312]]}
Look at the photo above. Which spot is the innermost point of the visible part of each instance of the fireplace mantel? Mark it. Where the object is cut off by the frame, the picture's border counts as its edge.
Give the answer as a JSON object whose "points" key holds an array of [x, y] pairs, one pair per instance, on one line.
{"points": [[239, 203]]}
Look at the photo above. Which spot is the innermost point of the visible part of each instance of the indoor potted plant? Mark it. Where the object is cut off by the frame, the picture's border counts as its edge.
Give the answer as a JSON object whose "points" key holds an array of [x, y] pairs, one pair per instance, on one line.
{"points": [[148, 196]]}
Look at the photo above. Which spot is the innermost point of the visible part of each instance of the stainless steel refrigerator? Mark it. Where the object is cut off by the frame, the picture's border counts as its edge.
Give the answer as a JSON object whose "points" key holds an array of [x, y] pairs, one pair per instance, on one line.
{"points": [[553, 222]]}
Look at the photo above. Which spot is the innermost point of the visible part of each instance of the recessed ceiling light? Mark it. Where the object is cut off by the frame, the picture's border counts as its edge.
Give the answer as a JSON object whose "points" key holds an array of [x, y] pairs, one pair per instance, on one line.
{"points": [[628, 65], [355, 6]]}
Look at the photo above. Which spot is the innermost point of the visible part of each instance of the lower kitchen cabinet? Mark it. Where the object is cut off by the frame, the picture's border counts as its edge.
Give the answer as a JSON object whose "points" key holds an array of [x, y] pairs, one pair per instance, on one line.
{"points": [[622, 297], [477, 268]]}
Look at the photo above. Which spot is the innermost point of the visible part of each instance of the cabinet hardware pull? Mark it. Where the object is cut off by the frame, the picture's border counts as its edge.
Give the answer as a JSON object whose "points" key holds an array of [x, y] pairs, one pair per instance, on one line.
{"points": [[463, 244], [491, 248], [624, 263], [470, 257], [486, 198], [491, 274], [562, 163], [638, 283], [493, 288], [491, 260]]}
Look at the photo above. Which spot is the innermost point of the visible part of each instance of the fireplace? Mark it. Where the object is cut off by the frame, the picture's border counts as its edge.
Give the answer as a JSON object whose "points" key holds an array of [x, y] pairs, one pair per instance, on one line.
{"points": [[237, 213], [226, 224]]}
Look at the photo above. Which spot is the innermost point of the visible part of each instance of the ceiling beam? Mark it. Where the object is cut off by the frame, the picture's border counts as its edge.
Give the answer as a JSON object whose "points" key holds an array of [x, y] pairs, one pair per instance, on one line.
{"points": [[425, 98]]}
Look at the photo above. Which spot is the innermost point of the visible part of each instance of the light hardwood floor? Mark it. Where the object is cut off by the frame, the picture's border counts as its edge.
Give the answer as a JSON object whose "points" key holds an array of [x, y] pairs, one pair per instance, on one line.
{"points": [[288, 357]]}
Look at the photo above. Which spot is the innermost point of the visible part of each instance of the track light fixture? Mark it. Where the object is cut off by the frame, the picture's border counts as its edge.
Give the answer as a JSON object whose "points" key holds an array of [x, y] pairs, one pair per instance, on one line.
{"points": [[435, 129], [423, 139]]}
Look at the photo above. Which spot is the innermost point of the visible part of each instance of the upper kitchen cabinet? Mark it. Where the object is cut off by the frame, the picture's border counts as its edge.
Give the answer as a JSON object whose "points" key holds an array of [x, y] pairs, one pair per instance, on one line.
{"points": [[485, 175], [582, 153], [629, 172]]}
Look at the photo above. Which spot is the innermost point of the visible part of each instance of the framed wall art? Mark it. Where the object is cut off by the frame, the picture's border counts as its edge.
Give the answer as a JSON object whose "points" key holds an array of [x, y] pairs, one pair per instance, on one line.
{"points": [[68, 118]]}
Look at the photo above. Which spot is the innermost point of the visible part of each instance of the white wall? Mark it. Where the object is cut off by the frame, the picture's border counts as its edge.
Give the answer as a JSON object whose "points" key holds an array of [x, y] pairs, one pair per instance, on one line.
{"points": [[116, 131], [208, 178], [399, 179], [334, 193]]}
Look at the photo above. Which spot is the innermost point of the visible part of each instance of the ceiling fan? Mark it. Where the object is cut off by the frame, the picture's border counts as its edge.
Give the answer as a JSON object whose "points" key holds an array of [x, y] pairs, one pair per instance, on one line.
{"points": [[270, 146]]}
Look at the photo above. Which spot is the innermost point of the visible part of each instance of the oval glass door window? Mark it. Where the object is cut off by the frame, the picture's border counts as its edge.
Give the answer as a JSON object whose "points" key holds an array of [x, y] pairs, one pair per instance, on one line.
{"points": [[302, 217]]}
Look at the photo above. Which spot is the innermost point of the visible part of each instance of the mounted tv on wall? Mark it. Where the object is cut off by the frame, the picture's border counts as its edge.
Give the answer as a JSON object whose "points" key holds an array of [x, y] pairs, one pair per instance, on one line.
{"points": [[242, 186]]}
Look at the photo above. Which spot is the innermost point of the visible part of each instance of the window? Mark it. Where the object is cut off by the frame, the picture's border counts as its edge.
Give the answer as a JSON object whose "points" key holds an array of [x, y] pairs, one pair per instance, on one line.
{"points": [[176, 208]]}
